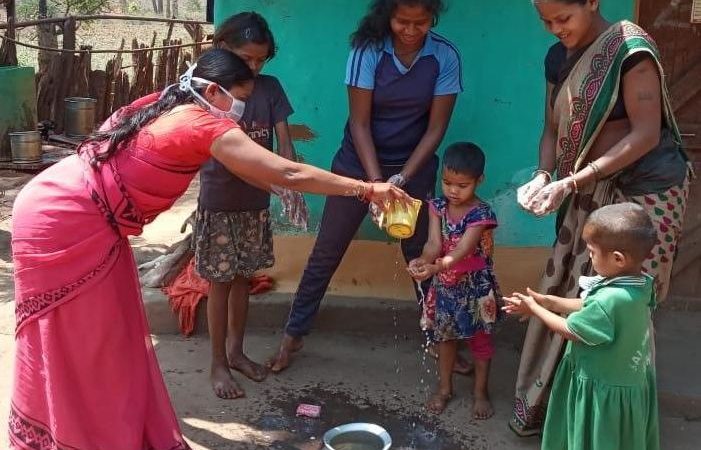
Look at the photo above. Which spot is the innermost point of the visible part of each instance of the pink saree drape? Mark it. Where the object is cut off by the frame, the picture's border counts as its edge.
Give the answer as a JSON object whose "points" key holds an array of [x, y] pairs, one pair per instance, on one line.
{"points": [[86, 374]]}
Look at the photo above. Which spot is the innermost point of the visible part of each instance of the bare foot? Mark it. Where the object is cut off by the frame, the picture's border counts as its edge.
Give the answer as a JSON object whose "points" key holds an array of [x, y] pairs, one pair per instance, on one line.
{"points": [[223, 383], [437, 403], [482, 408], [462, 366], [288, 346], [252, 370]]}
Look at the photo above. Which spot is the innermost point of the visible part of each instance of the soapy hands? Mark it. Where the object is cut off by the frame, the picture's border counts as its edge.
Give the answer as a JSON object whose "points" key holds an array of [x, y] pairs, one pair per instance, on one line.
{"points": [[541, 197]]}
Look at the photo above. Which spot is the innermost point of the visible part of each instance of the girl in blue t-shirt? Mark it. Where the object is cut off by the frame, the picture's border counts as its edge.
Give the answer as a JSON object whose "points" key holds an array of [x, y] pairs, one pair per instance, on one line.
{"points": [[403, 80], [233, 238]]}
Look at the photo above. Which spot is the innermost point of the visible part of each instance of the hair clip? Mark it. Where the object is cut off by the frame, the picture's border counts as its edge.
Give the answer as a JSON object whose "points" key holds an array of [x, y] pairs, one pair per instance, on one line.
{"points": [[186, 78]]}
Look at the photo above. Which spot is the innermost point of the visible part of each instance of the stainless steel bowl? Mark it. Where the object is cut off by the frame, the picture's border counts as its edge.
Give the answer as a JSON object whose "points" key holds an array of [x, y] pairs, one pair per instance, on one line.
{"points": [[369, 428]]}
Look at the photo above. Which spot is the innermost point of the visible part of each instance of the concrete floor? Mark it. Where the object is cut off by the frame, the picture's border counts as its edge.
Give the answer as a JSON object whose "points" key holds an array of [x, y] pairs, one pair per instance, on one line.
{"points": [[361, 377], [356, 372]]}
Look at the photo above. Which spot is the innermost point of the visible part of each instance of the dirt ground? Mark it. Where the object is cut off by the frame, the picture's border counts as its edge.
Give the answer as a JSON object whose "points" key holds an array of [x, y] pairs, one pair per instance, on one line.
{"points": [[107, 34], [372, 378], [379, 376]]}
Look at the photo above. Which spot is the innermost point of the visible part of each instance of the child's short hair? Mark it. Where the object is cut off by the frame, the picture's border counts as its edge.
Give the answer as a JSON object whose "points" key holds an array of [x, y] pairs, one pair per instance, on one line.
{"points": [[623, 227], [464, 158]]}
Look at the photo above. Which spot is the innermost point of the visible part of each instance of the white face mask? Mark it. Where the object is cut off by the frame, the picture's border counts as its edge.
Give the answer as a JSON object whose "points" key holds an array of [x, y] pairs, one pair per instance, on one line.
{"points": [[234, 113]]}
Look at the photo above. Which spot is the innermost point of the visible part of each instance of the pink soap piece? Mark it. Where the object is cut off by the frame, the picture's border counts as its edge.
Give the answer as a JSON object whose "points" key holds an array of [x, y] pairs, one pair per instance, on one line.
{"points": [[309, 410]]}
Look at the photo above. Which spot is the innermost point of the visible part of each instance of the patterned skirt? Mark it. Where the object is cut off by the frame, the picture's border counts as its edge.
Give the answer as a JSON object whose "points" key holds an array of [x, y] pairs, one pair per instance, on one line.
{"points": [[458, 309], [543, 349], [232, 243]]}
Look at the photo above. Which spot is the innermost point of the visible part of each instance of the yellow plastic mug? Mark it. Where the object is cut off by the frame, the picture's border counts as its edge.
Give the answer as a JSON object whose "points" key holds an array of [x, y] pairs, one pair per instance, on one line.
{"points": [[400, 220]]}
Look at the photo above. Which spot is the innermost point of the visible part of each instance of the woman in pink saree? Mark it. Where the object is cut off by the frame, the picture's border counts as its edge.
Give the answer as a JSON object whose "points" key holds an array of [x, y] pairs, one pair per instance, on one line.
{"points": [[86, 374]]}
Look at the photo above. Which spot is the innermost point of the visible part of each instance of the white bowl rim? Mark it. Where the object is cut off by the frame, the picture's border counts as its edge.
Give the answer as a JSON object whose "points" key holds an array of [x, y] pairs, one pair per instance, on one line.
{"points": [[372, 428]]}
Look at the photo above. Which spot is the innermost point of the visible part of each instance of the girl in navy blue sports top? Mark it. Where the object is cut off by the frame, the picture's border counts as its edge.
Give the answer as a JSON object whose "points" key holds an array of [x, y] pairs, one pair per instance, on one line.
{"points": [[402, 81]]}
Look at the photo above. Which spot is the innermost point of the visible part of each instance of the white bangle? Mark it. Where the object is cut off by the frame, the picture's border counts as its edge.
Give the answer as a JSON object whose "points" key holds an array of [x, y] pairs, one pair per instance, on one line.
{"points": [[544, 172]]}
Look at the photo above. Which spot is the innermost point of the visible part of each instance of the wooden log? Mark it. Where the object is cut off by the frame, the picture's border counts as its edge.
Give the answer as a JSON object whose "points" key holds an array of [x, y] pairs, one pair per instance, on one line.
{"points": [[173, 69], [161, 69], [47, 87], [121, 91], [80, 17], [169, 35], [46, 38], [196, 33], [67, 63], [80, 87], [97, 88], [141, 83], [108, 95], [149, 66], [113, 69], [8, 50], [186, 57], [136, 59]]}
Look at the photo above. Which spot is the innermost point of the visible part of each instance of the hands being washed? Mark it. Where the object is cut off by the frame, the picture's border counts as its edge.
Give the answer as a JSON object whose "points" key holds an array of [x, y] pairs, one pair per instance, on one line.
{"points": [[550, 198], [522, 304], [419, 269], [525, 193], [540, 197]]}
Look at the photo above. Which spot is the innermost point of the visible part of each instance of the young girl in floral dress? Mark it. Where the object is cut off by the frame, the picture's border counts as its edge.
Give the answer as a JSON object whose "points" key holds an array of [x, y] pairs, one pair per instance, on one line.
{"points": [[461, 304]]}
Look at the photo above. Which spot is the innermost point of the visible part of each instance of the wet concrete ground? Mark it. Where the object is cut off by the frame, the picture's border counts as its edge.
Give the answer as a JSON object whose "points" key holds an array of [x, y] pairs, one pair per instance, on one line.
{"points": [[373, 378], [362, 377], [377, 379]]}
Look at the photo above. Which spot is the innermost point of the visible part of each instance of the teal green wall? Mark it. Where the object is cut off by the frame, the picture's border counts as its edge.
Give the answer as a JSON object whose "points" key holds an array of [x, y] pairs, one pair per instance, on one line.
{"points": [[502, 43], [17, 103]]}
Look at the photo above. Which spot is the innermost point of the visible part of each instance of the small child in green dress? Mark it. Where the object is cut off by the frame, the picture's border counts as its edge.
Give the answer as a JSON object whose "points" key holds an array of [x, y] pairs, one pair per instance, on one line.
{"points": [[604, 394]]}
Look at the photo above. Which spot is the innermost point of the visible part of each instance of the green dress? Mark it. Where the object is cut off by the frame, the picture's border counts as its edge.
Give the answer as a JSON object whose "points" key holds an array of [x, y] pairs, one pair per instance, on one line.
{"points": [[604, 394]]}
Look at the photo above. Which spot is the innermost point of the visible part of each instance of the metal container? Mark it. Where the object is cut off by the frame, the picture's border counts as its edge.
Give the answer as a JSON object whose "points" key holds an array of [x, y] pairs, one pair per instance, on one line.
{"points": [[26, 147], [357, 436], [79, 116]]}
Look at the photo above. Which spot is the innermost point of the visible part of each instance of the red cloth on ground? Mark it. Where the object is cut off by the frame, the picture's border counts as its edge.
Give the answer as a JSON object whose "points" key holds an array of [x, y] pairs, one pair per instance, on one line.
{"points": [[188, 288], [184, 294]]}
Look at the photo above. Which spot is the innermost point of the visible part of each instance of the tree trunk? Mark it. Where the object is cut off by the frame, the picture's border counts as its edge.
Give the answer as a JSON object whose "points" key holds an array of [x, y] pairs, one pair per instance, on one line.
{"points": [[47, 38], [67, 65], [175, 11], [123, 6], [8, 50], [160, 7], [168, 8]]}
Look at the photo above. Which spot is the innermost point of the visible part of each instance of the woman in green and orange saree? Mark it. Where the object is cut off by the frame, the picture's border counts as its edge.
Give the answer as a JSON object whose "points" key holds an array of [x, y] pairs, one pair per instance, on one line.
{"points": [[609, 136]]}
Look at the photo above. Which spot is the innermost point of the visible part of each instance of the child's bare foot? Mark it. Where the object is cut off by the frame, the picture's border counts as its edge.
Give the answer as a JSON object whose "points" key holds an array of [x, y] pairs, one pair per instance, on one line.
{"points": [[223, 383], [461, 367], [281, 361], [438, 401], [252, 370], [482, 408]]}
